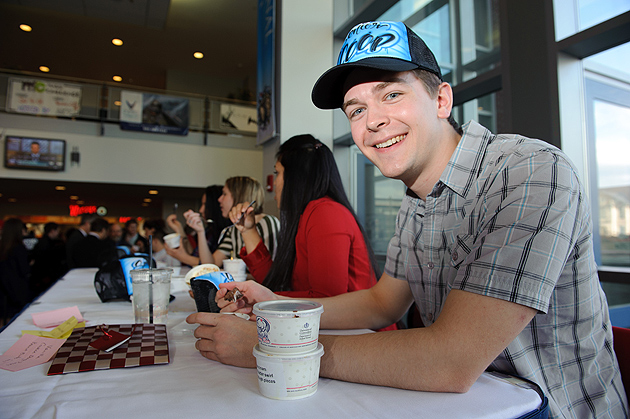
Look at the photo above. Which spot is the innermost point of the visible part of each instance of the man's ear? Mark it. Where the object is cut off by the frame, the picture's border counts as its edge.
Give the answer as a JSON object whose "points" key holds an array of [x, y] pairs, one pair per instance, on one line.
{"points": [[445, 100]]}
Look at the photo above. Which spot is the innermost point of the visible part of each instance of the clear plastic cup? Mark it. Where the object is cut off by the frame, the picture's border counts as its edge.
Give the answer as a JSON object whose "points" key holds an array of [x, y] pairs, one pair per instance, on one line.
{"points": [[151, 293]]}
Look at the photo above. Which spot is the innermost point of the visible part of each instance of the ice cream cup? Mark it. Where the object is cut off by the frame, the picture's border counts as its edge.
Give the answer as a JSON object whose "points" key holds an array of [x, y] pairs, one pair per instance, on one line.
{"points": [[288, 376], [172, 240], [288, 326]]}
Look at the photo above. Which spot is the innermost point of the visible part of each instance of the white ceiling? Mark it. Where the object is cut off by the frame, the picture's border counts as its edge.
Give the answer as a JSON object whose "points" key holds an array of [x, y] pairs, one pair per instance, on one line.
{"points": [[73, 38]]}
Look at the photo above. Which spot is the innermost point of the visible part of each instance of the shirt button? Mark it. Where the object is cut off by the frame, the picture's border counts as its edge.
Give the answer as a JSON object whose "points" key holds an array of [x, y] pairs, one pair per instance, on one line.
{"points": [[430, 265], [455, 255]]}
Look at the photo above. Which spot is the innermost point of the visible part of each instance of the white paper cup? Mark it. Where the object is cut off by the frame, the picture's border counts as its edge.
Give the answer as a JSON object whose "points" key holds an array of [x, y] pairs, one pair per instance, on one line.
{"points": [[288, 376], [288, 326], [235, 266], [172, 240]]}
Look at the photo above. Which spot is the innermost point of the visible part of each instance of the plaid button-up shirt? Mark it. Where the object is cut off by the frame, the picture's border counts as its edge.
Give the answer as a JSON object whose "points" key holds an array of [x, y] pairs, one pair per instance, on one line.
{"points": [[509, 219]]}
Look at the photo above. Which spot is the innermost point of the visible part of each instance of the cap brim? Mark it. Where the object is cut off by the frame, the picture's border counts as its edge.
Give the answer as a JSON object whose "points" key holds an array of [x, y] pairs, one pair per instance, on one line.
{"points": [[328, 91]]}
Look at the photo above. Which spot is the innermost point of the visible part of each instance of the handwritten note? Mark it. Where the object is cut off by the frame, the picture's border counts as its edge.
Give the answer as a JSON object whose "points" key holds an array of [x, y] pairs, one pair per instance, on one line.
{"points": [[29, 351], [54, 318]]}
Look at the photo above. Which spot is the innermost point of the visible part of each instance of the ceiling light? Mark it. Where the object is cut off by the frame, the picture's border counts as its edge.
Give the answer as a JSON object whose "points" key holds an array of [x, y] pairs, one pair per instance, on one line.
{"points": [[25, 27], [60, 188], [80, 202], [153, 192], [145, 204], [117, 102], [44, 69], [117, 42], [147, 199], [12, 200], [117, 78], [74, 197], [198, 55], [0, 195]]}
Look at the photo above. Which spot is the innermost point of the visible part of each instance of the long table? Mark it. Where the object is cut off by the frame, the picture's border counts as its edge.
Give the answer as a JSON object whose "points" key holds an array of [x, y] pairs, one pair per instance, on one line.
{"points": [[194, 387]]}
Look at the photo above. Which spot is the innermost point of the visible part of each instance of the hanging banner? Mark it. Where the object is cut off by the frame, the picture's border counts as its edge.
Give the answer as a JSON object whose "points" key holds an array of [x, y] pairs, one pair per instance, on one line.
{"points": [[242, 118], [153, 113], [266, 74], [43, 97]]}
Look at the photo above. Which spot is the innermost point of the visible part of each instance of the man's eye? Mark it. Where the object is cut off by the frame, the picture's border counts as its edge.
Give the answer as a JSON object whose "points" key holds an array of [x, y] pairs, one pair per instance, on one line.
{"points": [[393, 95], [356, 112]]}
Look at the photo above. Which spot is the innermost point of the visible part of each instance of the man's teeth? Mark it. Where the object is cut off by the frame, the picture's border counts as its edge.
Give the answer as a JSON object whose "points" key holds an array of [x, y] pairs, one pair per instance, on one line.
{"points": [[390, 142]]}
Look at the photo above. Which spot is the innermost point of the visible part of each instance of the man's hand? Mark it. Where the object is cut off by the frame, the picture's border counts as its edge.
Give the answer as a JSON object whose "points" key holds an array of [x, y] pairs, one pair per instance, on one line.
{"points": [[227, 339], [253, 293]]}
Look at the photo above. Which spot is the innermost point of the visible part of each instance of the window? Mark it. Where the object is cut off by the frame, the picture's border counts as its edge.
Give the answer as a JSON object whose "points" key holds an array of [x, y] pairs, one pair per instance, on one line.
{"points": [[607, 90]]}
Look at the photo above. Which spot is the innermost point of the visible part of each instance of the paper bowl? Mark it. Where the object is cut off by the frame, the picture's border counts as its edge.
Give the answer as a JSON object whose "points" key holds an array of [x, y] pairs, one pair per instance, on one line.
{"points": [[288, 326], [289, 376], [200, 270], [172, 240]]}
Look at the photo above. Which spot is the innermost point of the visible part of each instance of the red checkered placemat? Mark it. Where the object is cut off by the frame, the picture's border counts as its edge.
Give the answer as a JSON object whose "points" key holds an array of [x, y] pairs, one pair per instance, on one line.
{"points": [[148, 346]]}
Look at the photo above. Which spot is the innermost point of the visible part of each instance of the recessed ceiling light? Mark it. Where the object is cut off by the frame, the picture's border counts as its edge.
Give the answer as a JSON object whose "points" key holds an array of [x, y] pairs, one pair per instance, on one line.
{"points": [[117, 78], [12, 200], [153, 192], [198, 55], [80, 202], [117, 42], [74, 197], [117, 102], [44, 69], [60, 188], [144, 204], [147, 199], [25, 27]]}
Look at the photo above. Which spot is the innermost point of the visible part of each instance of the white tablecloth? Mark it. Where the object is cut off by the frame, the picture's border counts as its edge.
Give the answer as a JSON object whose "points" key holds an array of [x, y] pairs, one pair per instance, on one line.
{"points": [[194, 387]]}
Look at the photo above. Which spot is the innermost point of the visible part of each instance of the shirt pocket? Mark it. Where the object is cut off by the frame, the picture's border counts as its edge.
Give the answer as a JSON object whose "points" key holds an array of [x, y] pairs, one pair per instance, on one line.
{"points": [[460, 249]]}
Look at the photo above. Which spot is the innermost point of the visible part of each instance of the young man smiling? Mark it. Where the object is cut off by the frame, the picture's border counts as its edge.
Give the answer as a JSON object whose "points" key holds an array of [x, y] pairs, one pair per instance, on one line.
{"points": [[492, 242]]}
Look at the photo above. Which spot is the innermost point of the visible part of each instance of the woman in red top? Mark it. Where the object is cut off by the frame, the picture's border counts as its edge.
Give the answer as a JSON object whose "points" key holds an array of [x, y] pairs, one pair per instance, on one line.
{"points": [[322, 249]]}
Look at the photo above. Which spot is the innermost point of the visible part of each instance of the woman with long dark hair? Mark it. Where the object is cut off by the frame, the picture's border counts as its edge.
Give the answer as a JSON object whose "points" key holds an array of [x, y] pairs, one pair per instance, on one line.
{"points": [[322, 249], [14, 270]]}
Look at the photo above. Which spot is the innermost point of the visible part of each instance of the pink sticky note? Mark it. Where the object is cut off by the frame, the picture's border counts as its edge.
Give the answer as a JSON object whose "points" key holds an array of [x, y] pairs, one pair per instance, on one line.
{"points": [[54, 318], [29, 351]]}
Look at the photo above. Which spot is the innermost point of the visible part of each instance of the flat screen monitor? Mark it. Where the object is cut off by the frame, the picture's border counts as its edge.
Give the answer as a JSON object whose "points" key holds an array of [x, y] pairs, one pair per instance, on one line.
{"points": [[34, 153]]}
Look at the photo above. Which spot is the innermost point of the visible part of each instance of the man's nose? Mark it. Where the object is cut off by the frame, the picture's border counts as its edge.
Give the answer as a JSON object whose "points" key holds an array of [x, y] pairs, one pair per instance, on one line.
{"points": [[376, 119]]}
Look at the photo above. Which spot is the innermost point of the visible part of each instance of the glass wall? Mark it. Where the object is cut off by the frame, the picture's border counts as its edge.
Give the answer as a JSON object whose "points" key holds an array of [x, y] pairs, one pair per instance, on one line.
{"points": [[607, 83]]}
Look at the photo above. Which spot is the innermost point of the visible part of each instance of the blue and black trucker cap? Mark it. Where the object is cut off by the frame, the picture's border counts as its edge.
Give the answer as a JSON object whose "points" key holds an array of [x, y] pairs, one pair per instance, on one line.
{"points": [[380, 45]]}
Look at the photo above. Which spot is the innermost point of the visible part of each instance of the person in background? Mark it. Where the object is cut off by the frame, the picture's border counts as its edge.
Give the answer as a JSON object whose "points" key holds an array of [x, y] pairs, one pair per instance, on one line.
{"points": [[15, 292], [47, 259], [493, 242], [160, 256], [115, 233], [213, 215], [210, 216], [150, 227], [74, 235], [133, 239], [240, 189], [95, 250]]}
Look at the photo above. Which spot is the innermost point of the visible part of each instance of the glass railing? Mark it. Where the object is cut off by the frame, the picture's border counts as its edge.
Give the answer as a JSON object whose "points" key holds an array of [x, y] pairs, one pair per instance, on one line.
{"points": [[101, 103]]}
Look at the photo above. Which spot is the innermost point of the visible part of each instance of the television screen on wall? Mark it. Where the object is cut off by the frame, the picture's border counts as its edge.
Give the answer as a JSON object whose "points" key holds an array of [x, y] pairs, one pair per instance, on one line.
{"points": [[34, 153]]}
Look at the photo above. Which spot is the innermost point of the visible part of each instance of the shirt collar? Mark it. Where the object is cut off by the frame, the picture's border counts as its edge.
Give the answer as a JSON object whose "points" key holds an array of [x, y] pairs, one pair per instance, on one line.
{"points": [[465, 163]]}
